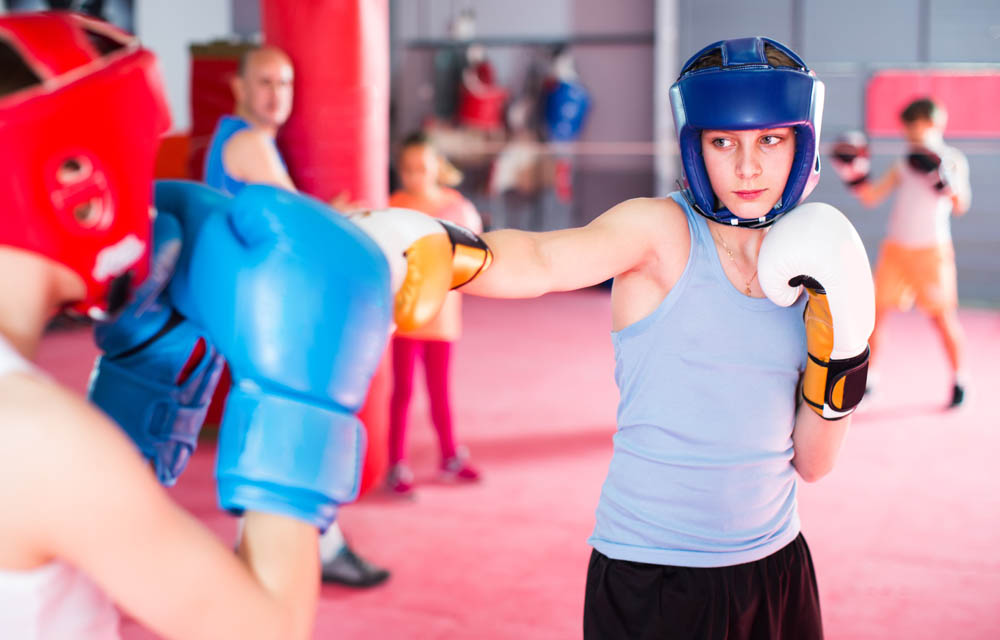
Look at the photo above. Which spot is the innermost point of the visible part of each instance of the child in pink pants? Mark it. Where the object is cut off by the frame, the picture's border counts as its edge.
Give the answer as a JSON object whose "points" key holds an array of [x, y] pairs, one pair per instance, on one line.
{"points": [[421, 170]]}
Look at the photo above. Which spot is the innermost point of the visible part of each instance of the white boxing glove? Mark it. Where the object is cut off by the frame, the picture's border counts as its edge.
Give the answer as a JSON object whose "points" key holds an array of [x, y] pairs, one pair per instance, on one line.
{"points": [[816, 247]]}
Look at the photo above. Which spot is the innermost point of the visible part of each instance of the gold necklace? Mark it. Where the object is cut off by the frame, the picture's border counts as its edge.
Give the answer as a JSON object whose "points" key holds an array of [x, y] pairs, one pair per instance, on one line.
{"points": [[736, 264]]}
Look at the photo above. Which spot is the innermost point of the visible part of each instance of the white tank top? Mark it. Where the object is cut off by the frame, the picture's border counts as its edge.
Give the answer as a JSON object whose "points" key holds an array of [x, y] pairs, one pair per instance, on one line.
{"points": [[55, 601], [920, 216]]}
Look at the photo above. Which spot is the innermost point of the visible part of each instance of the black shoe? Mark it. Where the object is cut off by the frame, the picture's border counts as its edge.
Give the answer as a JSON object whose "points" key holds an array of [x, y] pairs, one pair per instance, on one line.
{"points": [[957, 396], [350, 569]]}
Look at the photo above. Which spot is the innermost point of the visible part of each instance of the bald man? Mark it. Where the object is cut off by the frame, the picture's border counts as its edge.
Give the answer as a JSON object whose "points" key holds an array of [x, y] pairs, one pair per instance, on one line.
{"points": [[243, 151]]}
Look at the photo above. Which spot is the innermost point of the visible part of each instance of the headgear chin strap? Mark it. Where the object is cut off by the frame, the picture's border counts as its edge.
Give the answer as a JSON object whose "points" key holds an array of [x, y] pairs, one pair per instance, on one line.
{"points": [[747, 92], [79, 127]]}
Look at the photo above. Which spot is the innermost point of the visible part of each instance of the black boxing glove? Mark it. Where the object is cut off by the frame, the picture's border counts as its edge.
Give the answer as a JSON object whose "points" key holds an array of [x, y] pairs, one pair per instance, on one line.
{"points": [[927, 163]]}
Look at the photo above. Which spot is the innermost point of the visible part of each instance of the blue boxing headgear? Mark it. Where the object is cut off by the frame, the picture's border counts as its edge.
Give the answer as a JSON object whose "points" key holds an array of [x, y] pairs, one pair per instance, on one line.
{"points": [[746, 91]]}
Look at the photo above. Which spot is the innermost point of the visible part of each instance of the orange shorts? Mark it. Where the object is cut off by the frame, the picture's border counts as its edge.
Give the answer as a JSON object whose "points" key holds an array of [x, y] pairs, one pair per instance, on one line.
{"points": [[925, 276]]}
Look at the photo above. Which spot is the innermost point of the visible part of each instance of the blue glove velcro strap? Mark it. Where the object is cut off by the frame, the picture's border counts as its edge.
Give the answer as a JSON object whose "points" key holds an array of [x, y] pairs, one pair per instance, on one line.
{"points": [[279, 454], [163, 420]]}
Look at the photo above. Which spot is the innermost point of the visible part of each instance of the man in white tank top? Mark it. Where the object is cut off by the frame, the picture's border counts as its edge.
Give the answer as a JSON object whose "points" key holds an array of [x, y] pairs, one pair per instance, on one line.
{"points": [[917, 260], [85, 523]]}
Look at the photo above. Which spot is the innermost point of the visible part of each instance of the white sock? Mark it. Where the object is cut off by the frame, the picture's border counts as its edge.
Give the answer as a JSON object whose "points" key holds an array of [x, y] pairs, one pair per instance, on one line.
{"points": [[330, 543]]}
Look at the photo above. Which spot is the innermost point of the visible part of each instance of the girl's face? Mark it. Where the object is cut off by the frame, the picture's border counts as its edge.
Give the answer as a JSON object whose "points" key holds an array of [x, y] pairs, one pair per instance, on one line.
{"points": [[418, 168], [748, 169]]}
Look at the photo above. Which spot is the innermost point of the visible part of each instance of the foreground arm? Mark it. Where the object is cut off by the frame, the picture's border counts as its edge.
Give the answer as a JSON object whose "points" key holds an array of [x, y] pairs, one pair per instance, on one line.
{"points": [[117, 525], [526, 264]]}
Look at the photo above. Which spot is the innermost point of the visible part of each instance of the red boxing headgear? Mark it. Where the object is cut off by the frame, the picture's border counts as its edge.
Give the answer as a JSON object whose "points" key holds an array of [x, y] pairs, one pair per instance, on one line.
{"points": [[81, 113]]}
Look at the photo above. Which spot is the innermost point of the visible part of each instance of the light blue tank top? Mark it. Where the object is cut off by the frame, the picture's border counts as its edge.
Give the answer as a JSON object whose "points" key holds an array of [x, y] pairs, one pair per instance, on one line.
{"points": [[215, 170], [701, 474]]}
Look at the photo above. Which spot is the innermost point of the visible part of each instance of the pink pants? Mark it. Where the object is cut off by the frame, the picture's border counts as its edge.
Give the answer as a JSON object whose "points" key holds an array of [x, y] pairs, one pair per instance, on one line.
{"points": [[437, 356]]}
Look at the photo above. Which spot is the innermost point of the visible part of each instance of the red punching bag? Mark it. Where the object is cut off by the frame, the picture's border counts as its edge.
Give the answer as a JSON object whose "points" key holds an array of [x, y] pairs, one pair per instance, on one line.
{"points": [[337, 139]]}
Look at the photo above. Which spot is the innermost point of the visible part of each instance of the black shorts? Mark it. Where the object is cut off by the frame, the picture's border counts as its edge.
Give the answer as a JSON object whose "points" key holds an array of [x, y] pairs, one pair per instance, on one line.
{"points": [[773, 598]]}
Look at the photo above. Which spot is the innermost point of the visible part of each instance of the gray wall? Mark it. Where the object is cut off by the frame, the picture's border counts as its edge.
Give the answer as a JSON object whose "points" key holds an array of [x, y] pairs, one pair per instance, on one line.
{"points": [[246, 18]]}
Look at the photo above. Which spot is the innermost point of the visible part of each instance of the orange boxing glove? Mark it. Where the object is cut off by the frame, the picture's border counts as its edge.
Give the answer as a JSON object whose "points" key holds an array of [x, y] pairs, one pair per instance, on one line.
{"points": [[427, 258]]}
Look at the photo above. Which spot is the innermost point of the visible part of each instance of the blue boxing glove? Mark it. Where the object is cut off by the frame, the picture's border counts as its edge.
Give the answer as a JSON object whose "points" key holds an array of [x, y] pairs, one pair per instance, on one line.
{"points": [[158, 371], [299, 301]]}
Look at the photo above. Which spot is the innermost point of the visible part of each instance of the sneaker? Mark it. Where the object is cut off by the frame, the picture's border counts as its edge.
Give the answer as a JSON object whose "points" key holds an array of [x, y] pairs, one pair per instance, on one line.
{"points": [[458, 469], [350, 569], [957, 396], [400, 479]]}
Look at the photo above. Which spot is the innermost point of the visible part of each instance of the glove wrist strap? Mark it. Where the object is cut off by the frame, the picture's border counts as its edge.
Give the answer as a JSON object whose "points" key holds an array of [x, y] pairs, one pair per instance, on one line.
{"points": [[834, 388], [285, 455], [163, 420]]}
